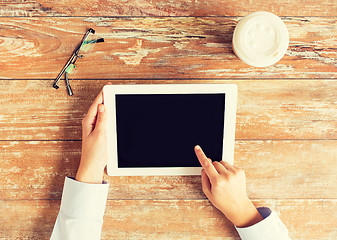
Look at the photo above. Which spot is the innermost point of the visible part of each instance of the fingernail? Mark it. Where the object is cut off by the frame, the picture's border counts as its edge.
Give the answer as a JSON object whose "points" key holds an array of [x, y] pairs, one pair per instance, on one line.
{"points": [[197, 147], [101, 108]]}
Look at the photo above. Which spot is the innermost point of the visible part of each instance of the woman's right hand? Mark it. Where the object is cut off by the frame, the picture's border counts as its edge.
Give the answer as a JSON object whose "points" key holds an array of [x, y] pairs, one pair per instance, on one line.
{"points": [[225, 186]]}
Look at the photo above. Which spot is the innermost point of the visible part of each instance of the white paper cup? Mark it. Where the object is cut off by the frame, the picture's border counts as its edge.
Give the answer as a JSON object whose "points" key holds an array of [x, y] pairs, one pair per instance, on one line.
{"points": [[260, 39]]}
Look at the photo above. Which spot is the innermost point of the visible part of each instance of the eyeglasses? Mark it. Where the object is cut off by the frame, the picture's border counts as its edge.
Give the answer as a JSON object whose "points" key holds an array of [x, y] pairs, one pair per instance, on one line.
{"points": [[86, 45]]}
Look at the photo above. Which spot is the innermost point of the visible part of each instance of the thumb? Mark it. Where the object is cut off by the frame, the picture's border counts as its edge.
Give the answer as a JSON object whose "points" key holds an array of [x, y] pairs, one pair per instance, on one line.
{"points": [[101, 117]]}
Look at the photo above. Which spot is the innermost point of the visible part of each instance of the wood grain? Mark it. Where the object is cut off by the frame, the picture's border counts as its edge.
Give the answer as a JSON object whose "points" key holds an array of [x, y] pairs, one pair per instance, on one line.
{"points": [[267, 109], [286, 121], [165, 48], [166, 8], [274, 169], [162, 219]]}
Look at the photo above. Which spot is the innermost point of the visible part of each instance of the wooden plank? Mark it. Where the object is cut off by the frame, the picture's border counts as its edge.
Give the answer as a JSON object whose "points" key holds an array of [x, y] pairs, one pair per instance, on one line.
{"points": [[167, 8], [162, 219], [179, 47], [267, 109], [274, 169]]}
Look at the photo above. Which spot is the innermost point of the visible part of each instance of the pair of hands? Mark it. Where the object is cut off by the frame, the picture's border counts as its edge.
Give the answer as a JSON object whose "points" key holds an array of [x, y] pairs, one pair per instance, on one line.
{"points": [[223, 184]]}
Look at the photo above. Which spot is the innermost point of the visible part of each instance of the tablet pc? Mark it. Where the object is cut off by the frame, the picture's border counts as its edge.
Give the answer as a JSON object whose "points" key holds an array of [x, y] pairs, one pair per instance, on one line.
{"points": [[152, 129]]}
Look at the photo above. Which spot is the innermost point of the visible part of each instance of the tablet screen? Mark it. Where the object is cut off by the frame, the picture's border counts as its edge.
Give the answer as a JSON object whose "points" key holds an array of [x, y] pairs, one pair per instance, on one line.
{"points": [[161, 130]]}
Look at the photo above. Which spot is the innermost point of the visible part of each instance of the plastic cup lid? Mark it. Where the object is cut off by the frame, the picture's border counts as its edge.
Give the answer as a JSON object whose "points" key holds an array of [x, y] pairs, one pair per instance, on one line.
{"points": [[260, 39]]}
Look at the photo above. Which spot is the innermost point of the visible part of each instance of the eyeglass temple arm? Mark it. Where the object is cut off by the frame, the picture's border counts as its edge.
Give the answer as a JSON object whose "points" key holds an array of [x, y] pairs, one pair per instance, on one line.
{"points": [[73, 57]]}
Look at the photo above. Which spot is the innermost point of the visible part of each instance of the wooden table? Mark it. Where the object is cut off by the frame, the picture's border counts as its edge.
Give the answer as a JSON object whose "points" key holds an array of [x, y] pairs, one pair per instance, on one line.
{"points": [[286, 132]]}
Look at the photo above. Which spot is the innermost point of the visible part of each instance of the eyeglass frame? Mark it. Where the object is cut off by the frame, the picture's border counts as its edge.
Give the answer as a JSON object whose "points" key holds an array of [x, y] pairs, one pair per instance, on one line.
{"points": [[72, 59]]}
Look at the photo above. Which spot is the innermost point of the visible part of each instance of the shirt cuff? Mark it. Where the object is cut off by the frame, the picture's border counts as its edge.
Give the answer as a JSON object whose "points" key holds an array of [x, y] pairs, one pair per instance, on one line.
{"points": [[84, 200], [271, 227]]}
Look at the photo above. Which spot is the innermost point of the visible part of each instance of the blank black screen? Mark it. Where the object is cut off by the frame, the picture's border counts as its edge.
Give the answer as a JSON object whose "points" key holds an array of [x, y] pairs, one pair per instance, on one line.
{"points": [[161, 130]]}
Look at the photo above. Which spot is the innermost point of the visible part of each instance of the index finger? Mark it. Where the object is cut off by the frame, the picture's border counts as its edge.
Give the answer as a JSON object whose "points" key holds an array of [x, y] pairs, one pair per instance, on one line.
{"points": [[205, 163]]}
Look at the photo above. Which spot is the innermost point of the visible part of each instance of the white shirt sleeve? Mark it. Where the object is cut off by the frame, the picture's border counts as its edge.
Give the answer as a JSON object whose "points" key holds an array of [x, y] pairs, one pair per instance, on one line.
{"points": [[81, 212], [270, 228]]}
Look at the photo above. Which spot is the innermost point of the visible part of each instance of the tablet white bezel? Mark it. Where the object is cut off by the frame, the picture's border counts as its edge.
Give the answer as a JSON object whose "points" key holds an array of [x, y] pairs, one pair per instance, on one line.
{"points": [[109, 93]]}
